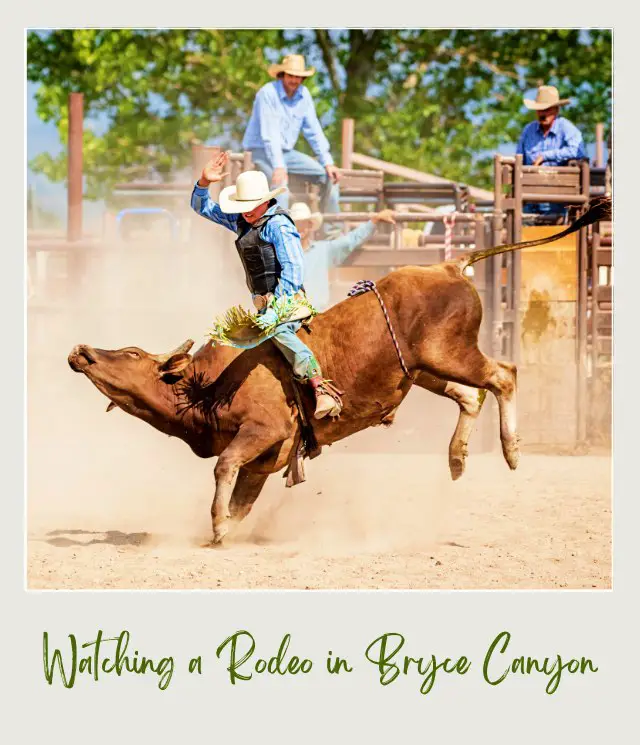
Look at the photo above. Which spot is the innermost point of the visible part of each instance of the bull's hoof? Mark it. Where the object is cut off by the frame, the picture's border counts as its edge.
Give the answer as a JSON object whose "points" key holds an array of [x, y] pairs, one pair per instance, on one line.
{"points": [[219, 532], [213, 544], [456, 466], [511, 452]]}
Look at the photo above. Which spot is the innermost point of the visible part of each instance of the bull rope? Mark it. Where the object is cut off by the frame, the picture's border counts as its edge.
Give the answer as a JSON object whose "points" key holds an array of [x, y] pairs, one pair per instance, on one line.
{"points": [[367, 285]]}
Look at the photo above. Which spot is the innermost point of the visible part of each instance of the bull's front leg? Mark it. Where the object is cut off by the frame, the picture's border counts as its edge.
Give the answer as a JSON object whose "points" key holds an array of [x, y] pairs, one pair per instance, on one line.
{"points": [[247, 445], [225, 472]]}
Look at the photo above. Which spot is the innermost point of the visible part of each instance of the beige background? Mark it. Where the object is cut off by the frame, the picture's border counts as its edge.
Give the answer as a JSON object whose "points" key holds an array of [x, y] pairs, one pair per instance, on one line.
{"points": [[355, 709]]}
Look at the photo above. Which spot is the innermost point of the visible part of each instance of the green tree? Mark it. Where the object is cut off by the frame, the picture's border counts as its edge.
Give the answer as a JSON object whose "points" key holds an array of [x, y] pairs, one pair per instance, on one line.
{"points": [[436, 100]]}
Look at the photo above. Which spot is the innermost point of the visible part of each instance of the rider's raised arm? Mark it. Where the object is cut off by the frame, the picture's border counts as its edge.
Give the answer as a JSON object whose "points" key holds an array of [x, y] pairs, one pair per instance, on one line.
{"points": [[202, 203]]}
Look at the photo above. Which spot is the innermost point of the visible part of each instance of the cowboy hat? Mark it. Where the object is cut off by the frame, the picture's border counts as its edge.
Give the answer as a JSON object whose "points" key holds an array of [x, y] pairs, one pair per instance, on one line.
{"points": [[292, 64], [250, 190], [547, 98], [300, 212]]}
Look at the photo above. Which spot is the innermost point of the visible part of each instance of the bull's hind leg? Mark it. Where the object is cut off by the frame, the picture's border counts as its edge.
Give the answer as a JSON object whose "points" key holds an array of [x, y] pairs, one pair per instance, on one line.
{"points": [[470, 367], [470, 402], [505, 391]]}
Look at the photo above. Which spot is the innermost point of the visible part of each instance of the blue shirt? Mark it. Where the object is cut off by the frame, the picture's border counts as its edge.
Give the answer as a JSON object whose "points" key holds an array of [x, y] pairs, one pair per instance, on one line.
{"points": [[323, 255], [563, 142], [279, 231], [276, 121]]}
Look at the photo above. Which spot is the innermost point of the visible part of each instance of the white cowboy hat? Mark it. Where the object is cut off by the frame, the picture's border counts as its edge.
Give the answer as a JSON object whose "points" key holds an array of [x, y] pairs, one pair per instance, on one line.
{"points": [[547, 97], [293, 64], [300, 212], [250, 190]]}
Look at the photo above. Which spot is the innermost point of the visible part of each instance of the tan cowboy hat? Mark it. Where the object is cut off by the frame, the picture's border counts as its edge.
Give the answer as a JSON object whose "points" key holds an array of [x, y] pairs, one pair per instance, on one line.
{"points": [[300, 212], [250, 190], [293, 64], [547, 97]]}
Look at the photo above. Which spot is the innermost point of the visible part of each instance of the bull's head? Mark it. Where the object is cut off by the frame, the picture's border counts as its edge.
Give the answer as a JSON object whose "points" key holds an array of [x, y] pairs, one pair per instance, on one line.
{"points": [[130, 377]]}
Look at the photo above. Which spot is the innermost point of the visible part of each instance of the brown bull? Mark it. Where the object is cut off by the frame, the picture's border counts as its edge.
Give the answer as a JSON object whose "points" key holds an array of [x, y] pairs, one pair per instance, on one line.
{"points": [[240, 406]]}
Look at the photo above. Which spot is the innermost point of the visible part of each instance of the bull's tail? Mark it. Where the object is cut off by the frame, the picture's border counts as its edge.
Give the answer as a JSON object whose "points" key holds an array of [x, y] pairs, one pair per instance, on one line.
{"points": [[599, 209]]}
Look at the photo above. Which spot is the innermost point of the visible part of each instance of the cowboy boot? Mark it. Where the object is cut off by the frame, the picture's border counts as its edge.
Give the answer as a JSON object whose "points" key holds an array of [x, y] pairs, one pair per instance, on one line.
{"points": [[328, 400]]}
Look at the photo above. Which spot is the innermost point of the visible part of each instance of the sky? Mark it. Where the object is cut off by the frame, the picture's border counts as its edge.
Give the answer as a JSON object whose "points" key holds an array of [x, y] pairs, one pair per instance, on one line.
{"points": [[42, 137]]}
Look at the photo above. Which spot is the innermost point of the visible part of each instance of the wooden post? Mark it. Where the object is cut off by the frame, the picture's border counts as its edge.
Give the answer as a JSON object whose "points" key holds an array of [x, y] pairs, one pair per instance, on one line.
{"points": [[496, 261], [517, 198], [497, 183], [599, 145], [581, 319], [478, 240], [496, 294], [484, 281], [347, 143], [74, 168], [516, 270], [592, 354]]}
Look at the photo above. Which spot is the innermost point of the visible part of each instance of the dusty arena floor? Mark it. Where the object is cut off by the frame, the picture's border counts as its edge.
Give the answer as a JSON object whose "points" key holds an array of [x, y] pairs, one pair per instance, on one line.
{"points": [[359, 522], [112, 503]]}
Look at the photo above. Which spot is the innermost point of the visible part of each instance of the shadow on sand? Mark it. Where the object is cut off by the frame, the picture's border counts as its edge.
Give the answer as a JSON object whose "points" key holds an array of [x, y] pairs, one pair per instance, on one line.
{"points": [[60, 539]]}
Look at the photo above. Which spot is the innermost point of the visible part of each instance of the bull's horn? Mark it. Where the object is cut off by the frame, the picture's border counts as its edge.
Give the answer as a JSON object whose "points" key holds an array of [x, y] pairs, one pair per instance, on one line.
{"points": [[182, 349]]}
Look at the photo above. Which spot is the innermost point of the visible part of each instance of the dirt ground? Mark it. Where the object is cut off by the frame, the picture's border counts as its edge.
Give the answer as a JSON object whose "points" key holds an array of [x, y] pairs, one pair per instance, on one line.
{"points": [[112, 503], [359, 522]]}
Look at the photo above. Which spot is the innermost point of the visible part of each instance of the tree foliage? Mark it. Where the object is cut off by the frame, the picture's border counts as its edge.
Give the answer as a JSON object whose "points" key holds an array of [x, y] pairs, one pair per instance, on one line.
{"points": [[436, 100]]}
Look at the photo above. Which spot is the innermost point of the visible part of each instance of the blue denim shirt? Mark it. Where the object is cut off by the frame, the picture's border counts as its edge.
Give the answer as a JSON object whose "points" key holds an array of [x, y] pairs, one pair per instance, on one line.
{"points": [[276, 122], [563, 142]]}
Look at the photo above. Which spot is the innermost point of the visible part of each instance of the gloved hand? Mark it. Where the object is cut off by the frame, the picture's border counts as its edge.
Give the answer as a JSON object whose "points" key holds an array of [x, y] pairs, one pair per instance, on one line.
{"points": [[266, 319]]}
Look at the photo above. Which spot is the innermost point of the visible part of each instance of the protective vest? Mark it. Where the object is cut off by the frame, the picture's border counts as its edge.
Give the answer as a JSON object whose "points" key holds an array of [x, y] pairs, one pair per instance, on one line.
{"points": [[259, 259]]}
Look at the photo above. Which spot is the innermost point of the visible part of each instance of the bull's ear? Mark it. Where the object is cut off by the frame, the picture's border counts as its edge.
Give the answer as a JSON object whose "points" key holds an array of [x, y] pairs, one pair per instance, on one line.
{"points": [[175, 365]]}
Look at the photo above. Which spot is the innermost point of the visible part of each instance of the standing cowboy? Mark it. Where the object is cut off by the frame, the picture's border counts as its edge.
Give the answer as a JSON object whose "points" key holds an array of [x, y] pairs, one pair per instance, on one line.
{"points": [[269, 247], [281, 110], [550, 140], [321, 256]]}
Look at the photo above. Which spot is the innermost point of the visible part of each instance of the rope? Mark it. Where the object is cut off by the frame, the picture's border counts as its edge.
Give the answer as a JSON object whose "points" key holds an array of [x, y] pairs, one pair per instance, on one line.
{"points": [[449, 221], [366, 285]]}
